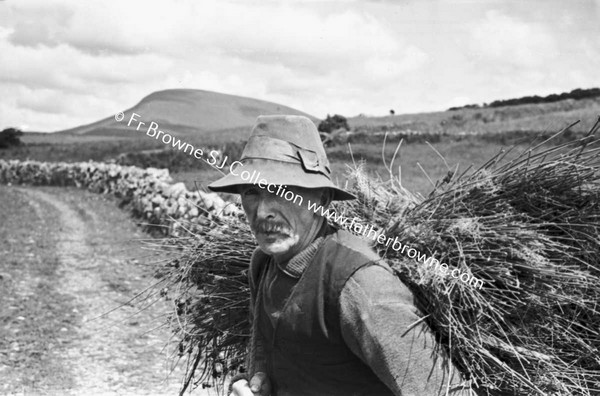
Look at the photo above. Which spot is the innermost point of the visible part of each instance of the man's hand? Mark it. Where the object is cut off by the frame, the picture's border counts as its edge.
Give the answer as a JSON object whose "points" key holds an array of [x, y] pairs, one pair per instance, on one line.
{"points": [[241, 388], [259, 386]]}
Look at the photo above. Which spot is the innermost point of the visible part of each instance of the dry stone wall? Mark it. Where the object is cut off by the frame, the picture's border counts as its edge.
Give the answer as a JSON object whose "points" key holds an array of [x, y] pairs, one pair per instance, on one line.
{"points": [[150, 193]]}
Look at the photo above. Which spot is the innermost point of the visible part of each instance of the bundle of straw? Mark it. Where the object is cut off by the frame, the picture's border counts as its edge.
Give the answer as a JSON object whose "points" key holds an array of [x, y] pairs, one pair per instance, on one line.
{"points": [[528, 228]]}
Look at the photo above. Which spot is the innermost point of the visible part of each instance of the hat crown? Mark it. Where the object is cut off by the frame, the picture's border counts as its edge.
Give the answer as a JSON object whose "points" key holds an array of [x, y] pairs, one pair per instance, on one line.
{"points": [[299, 130], [287, 138], [282, 150]]}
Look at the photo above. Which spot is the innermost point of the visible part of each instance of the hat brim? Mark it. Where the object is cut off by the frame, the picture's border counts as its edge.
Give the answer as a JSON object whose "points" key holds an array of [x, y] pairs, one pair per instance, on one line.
{"points": [[262, 172]]}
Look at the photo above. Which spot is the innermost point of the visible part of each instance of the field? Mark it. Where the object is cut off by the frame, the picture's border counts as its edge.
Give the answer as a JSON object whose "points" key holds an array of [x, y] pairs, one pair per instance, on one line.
{"points": [[419, 163], [463, 137], [464, 153], [533, 117]]}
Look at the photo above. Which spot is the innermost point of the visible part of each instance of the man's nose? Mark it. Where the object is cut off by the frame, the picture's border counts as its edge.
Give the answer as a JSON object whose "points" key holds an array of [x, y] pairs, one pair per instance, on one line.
{"points": [[266, 204]]}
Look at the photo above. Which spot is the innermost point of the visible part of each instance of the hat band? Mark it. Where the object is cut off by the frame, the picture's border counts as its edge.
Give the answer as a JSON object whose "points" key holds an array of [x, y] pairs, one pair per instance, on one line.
{"points": [[265, 147]]}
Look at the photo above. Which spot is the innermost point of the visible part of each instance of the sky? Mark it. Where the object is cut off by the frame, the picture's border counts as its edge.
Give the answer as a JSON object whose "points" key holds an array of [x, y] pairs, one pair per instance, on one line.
{"points": [[64, 63]]}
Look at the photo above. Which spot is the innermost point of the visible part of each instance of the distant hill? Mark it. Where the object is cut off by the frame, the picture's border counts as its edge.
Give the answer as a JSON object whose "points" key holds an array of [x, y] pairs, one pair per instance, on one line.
{"points": [[188, 113]]}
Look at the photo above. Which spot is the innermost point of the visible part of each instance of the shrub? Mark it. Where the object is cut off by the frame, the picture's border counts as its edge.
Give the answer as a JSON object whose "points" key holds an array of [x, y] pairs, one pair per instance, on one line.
{"points": [[10, 137], [333, 123]]}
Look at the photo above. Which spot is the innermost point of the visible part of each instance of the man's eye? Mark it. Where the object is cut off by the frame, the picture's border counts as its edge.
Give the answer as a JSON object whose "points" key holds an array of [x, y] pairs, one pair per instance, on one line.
{"points": [[250, 191]]}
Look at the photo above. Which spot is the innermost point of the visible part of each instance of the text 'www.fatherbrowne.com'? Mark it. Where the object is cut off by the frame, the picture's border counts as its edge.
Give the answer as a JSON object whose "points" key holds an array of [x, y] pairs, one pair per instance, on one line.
{"points": [[397, 245]]}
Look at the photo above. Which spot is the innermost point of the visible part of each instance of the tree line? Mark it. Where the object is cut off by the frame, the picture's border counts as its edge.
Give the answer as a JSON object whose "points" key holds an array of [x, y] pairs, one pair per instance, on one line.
{"points": [[576, 94]]}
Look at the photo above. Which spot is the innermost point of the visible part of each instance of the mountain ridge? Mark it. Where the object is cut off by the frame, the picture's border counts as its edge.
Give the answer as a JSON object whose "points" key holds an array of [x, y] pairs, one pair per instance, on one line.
{"points": [[187, 112]]}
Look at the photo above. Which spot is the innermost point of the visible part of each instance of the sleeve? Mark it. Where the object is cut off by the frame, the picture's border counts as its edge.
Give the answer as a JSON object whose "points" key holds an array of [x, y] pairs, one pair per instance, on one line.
{"points": [[256, 360], [376, 309]]}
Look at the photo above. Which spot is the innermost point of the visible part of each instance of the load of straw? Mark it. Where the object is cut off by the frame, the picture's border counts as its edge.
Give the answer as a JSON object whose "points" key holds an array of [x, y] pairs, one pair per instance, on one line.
{"points": [[529, 228]]}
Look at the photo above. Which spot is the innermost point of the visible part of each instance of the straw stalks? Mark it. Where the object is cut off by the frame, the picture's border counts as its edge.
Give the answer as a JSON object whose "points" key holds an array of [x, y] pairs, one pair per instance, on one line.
{"points": [[529, 228]]}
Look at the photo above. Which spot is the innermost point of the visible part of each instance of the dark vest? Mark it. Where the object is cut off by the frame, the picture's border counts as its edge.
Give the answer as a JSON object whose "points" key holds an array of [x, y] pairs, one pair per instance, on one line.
{"points": [[306, 354]]}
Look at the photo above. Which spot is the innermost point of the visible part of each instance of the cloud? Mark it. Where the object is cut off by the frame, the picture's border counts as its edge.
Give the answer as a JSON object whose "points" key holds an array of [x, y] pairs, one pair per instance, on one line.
{"points": [[43, 101], [91, 28], [69, 62], [49, 109], [393, 66], [507, 40], [275, 51], [44, 25]]}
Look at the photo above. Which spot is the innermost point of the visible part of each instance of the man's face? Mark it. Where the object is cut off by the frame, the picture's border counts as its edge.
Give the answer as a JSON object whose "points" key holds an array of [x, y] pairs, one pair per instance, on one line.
{"points": [[280, 226]]}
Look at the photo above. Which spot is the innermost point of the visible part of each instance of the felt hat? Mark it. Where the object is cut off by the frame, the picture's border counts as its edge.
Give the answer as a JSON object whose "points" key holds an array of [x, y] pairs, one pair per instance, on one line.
{"points": [[282, 150]]}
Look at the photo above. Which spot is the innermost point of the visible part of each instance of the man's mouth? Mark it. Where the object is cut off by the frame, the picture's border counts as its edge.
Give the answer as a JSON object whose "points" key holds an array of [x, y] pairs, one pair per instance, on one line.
{"points": [[272, 229]]}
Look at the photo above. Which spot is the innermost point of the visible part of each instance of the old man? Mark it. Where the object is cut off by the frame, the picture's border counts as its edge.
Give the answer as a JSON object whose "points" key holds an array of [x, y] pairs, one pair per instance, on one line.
{"points": [[329, 316]]}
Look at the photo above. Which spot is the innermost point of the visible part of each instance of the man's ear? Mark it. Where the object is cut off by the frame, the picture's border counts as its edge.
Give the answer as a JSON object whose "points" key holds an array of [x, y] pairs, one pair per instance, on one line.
{"points": [[326, 197]]}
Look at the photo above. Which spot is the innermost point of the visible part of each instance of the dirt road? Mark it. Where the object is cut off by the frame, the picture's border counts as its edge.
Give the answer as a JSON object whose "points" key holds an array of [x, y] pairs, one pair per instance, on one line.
{"points": [[71, 263]]}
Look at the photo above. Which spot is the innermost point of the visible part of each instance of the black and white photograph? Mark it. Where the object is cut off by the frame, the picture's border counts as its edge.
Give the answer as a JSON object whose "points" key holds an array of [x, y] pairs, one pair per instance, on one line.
{"points": [[300, 198]]}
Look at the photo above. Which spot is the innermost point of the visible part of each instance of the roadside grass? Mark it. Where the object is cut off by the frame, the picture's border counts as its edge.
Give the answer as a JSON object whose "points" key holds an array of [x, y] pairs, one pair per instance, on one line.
{"points": [[36, 319]]}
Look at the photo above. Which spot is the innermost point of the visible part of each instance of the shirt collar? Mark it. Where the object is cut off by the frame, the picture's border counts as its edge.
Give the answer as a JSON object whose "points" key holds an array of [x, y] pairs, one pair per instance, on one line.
{"points": [[297, 264]]}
